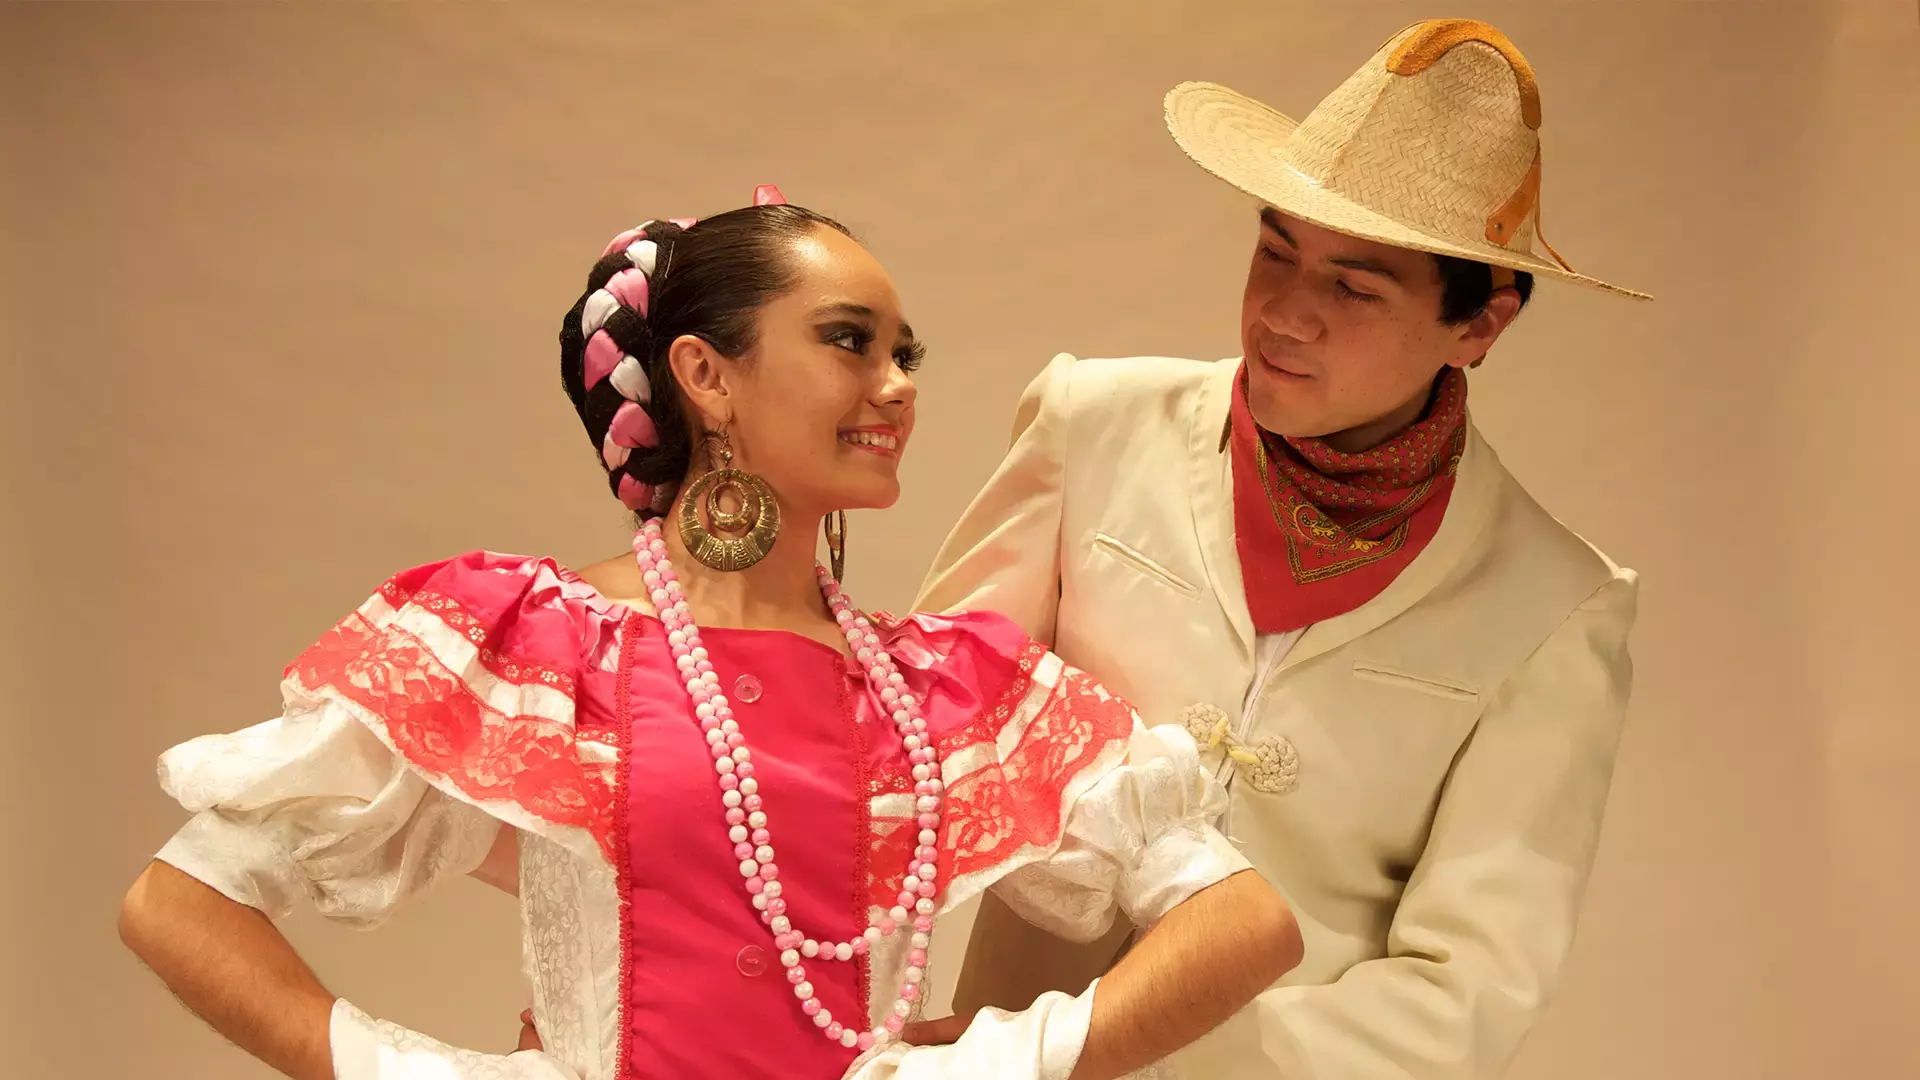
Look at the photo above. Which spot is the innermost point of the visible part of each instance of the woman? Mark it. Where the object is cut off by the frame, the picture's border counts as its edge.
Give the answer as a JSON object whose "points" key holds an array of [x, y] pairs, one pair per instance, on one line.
{"points": [[731, 805]]}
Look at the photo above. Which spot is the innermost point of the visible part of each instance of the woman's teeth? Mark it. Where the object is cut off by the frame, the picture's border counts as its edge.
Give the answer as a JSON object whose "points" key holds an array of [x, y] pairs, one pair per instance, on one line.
{"points": [[871, 438]]}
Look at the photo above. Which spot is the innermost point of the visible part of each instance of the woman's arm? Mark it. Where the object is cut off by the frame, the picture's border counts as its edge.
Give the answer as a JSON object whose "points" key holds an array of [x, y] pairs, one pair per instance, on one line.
{"points": [[1136, 843], [313, 811], [227, 963], [1206, 959], [1202, 963], [501, 869]]}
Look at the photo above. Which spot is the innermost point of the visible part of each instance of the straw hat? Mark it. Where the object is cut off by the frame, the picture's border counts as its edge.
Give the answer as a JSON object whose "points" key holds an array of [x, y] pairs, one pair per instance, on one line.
{"points": [[1432, 145]]}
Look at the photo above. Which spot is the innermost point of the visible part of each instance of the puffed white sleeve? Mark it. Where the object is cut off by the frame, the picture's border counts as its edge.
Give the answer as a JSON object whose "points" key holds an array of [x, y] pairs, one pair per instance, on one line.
{"points": [[1137, 841], [312, 807]]}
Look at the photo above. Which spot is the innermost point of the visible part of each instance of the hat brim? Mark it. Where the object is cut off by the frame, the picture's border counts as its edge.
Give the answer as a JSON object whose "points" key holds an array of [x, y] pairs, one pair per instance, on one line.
{"points": [[1243, 142]]}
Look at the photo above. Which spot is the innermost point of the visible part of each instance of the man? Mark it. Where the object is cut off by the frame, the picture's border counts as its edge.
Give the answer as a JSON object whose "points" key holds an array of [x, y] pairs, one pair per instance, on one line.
{"points": [[1412, 675]]}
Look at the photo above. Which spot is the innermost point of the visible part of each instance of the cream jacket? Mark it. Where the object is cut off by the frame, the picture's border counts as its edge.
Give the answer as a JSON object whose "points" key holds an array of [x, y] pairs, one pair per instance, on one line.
{"points": [[1432, 767]]}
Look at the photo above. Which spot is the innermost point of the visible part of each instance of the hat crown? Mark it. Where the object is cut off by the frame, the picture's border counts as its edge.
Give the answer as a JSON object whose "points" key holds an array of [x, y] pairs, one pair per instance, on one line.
{"points": [[1439, 129], [1432, 145]]}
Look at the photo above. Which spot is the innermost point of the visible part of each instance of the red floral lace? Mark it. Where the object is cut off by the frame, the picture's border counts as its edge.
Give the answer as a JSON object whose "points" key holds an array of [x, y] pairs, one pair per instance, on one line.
{"points": [[440, 725], [461, 621], [994, 811]]}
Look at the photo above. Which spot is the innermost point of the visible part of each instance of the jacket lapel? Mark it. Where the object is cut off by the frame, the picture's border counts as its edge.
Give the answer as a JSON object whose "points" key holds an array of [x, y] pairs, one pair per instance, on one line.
{"points": [[1210, 483]]}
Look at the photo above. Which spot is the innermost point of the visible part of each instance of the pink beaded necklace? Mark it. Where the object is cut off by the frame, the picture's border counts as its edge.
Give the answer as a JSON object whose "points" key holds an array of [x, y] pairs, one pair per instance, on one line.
{"points": [[746, 817]]}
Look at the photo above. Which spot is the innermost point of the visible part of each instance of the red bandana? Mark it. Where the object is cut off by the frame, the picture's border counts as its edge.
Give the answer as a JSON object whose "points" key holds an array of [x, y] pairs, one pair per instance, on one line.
{"points": [[1321, 532]]}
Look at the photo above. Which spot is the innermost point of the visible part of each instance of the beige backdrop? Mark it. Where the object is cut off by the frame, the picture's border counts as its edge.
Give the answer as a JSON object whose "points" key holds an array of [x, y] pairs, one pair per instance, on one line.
{"points": [[282, 286]]}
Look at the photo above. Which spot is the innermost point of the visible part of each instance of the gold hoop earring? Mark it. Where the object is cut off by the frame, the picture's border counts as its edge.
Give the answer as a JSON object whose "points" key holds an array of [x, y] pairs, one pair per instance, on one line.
{"points": [[756, 524], [836, 526]]}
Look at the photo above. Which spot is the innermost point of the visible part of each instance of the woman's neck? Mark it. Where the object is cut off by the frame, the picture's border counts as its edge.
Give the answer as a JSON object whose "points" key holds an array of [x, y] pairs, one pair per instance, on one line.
{"points": [[780, 592]]}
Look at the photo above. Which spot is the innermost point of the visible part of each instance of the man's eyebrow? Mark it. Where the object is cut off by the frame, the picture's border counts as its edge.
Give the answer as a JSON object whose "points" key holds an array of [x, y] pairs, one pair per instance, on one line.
{"points": [[1270, 218], [1370, 266]]}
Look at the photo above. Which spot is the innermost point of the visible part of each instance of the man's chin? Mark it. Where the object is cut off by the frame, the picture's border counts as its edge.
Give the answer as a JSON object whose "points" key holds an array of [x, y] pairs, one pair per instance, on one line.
{"points": [[1280, 413]]}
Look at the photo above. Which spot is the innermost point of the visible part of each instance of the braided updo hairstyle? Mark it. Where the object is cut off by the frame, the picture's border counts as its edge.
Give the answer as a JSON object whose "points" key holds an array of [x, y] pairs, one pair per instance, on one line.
{"points": [[652, 285]]}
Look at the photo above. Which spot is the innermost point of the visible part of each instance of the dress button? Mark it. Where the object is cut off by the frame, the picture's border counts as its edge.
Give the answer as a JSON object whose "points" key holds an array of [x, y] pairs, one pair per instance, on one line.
{"points": [[752, 961], [746, 688]]}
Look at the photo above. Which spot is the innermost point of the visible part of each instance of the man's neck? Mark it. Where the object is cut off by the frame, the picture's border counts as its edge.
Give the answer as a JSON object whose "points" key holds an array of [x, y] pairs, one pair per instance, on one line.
{"points": [[1374, 433]]}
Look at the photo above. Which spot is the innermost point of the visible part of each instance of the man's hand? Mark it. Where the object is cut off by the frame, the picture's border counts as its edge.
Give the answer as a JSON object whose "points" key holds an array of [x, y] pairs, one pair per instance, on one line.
{"points": [[529, 1038]]}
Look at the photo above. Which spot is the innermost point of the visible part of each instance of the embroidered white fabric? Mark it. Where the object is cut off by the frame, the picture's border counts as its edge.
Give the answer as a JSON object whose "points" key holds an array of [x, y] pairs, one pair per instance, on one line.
{"points": [[1043, 1042], [369, 1049], [1137, 840], [315, 806], [570, 923]]}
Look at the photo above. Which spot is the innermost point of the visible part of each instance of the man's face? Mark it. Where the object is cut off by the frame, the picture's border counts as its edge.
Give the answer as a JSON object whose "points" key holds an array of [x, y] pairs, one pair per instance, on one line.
{"points": [[1343, 336]]}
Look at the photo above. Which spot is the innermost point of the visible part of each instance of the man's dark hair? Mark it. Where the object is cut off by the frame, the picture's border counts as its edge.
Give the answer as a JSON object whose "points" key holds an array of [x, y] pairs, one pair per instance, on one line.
{"points": [[1466, 286]]}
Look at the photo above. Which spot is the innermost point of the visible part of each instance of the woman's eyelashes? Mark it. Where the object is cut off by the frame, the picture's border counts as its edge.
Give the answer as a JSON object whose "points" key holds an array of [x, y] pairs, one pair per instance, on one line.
{"points": [[849, 336], [857, 339], [910, 355]]}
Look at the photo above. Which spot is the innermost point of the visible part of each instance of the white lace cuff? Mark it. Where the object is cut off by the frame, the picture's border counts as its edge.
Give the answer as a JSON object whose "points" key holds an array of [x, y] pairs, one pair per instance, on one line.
{"points": [[1173, 868], [1042, 1042], [1137, 841], [369, 1049]]}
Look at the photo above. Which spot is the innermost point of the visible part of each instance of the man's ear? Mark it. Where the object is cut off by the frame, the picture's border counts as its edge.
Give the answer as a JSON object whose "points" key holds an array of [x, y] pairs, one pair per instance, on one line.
{"points": [[1478, 334]]}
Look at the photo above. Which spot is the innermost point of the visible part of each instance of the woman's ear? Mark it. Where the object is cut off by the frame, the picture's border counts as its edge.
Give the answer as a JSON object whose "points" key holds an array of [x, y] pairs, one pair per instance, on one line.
{"points": [[703, 379]]}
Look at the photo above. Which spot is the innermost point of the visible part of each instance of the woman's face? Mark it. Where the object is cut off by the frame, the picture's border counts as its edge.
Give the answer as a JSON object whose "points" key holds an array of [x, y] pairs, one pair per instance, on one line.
{"points": [[823, 407]]}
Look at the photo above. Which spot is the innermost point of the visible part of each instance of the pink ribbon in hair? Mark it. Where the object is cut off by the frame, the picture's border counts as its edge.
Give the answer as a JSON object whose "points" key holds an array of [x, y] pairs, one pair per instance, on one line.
{"points": [[619, 243], [764, 195], [601, 357], [632, 427], [635, 495]]}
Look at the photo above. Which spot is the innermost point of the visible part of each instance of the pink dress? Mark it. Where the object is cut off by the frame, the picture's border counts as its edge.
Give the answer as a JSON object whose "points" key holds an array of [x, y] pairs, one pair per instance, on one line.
{"points": [[490, 690]]}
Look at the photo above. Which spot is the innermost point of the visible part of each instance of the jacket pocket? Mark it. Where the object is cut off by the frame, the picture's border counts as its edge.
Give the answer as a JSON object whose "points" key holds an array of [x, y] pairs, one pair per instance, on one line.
{"points": [[1445, 688], [1120, 552]]}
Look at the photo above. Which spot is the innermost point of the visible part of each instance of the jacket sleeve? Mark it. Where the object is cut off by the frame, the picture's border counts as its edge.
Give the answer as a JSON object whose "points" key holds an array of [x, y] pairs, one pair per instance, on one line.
{"points": [[1476, 945], [1004, 554]]}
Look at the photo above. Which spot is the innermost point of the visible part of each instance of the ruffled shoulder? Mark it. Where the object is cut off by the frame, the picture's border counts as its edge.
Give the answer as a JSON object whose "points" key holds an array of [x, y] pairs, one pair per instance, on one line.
{"points": [[1022, 735], [470, 670], [967, 668]]}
